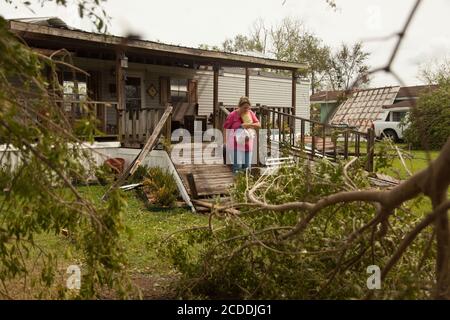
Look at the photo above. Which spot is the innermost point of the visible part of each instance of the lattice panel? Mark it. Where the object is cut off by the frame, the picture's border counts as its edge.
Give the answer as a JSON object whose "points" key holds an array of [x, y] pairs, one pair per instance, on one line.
{"points": [[363, 107]]}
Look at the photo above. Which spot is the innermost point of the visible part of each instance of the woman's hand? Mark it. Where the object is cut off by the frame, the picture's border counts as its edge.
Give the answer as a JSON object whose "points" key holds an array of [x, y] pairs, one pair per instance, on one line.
{"points": [[256, 125]]}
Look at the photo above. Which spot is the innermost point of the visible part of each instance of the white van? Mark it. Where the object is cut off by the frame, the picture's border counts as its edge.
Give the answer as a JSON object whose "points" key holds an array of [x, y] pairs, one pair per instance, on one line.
{"points": [[389, 123]]}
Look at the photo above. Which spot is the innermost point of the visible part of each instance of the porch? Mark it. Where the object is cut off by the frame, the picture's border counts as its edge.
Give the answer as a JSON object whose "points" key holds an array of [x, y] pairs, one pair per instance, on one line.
{"points": [[129, 82], [140, 91]]}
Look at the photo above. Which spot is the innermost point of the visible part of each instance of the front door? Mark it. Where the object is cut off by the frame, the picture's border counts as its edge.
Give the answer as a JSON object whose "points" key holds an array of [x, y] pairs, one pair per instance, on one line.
{"points": [[133, 104]]}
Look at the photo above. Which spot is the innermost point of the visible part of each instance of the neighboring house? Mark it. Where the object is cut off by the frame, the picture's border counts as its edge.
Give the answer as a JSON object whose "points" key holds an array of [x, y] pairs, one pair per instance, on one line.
{"points": [[361, 107], [132, 80], [324, 104]]}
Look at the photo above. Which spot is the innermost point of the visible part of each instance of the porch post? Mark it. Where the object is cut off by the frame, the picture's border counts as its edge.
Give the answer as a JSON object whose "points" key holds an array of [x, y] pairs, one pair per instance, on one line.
{"points": [[247, 82], [293, 99], [294, 91], [120, 90], [216, 96]]}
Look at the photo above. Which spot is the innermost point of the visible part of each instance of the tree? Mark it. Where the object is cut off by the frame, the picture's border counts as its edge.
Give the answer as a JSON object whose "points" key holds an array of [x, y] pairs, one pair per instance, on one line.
{"points": [[435, 71], [40, 194], [241, 43], [347, 68], [255, 41], [428, 124], [311, 231], [291, 42], [204, 46], [288, 41], [286, 38]]}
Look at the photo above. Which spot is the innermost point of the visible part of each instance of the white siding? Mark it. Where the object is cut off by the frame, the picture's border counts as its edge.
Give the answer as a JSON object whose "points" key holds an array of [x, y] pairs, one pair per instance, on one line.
{"points": [[263, 90], [205, 92]]}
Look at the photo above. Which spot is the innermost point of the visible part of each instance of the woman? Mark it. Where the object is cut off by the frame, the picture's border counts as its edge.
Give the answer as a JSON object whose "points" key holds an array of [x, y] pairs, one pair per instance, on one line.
{"points": [[239, 123]]}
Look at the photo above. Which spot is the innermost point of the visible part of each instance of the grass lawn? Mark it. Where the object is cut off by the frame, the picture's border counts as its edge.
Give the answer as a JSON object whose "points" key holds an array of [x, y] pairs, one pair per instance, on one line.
{"points": [[150, 227], [149, 269], [415, 160]]}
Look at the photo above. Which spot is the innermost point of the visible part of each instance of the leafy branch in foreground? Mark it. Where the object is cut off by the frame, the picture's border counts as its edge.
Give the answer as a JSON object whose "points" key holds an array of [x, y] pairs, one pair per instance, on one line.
{"points": [[309, 232], [41, 161]]}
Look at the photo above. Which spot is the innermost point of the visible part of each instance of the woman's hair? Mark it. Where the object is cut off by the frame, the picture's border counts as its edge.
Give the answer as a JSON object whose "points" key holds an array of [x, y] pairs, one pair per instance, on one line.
{"points": [[244, 100]]}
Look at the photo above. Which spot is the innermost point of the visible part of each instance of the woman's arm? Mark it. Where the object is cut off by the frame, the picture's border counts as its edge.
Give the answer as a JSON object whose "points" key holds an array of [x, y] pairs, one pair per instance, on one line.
{"points": [[228, 122], [255, 125]]}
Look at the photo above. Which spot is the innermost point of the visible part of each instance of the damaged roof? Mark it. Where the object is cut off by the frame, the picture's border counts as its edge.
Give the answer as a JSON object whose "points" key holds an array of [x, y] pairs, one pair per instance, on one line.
{"points": [[404, 93], [363, 107], [327, 96]]}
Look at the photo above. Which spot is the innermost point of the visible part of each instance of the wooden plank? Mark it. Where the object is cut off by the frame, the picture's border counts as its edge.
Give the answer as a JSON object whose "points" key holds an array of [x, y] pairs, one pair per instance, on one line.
{"points": [[213, 177], [213, 206], [202, 185], [149, 145], [247, 82], [216, 95], [192, 186], [294, 92], [120, 91]]}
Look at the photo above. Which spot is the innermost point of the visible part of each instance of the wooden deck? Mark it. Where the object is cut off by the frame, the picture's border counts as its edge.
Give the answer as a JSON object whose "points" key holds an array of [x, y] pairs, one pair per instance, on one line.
{"points": [[319, 144], [203, 180]]}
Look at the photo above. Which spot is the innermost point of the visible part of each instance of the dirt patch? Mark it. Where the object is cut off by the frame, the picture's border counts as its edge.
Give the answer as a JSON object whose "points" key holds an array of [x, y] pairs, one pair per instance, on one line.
{"points": [[154, 287], [150, 287]]}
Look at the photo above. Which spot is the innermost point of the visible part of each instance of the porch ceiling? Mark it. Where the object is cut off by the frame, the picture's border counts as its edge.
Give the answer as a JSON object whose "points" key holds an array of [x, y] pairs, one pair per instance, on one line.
{"points": [[86, 40]]}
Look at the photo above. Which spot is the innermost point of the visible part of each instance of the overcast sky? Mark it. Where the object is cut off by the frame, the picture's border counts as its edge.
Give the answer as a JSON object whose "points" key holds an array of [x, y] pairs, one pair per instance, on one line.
{"points": [[194, 22]]}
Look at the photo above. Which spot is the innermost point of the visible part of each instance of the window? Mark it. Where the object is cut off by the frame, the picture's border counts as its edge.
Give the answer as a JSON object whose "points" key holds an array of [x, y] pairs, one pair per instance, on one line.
{"points": [[388, 117], [398, 116], [133, 98], [178, 90], [74, 89], [75, 86]]}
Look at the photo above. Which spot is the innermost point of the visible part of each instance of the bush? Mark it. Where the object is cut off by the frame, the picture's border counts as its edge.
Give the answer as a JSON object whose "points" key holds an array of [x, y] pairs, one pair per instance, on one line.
{"points": [[140, 174], [161, 186], [429, 121], [5, 178], [104, 174]]}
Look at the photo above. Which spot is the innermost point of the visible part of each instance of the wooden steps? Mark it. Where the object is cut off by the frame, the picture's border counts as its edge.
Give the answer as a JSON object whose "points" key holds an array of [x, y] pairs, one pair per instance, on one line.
{"points": [[208, 180], [205, 180]]}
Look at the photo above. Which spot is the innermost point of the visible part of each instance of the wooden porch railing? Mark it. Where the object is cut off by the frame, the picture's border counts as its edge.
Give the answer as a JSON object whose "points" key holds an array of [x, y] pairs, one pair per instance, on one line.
{"points": [[162, 127], [315, 139], [77, 109], [136, 125], [304, 137], [258, 107], [131, 126]]}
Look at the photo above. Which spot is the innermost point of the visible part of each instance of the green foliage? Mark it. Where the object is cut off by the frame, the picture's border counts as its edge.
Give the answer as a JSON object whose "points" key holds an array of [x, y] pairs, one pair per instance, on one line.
{"points": [[348, 67], [104, 174], [140, 174], [162, 186], [39, 197], [429, 120], [289, 40], [242, 43], [231, 262]]}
